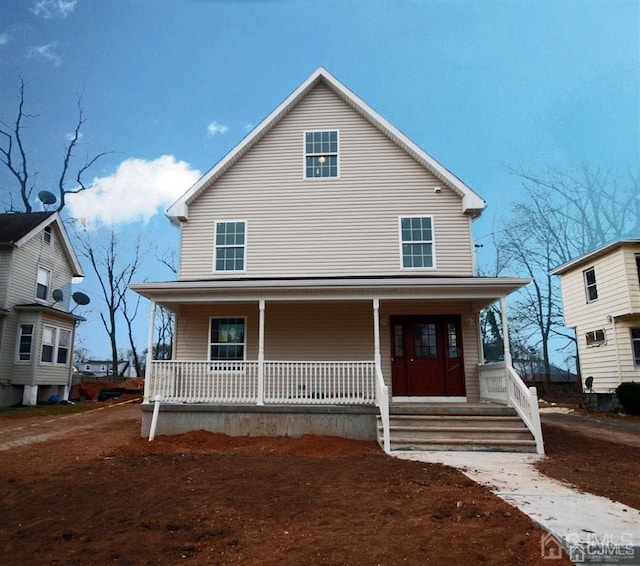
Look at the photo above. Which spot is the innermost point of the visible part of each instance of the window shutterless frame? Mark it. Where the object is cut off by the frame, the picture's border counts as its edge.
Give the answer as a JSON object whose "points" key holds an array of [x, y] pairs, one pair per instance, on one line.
{"points": [[320, 154], [230, 246], [416, 236], [590, 284], [43, 284]]}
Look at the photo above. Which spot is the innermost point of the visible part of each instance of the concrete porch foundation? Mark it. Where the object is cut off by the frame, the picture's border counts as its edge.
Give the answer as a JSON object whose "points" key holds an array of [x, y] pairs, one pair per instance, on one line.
{"points": [[356, 422]]}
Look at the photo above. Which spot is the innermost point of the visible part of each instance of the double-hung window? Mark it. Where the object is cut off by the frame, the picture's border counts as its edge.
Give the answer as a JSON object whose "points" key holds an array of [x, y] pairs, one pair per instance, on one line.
{"points": [[417, 242], [48, 344], [43, 283], [230, 245], [47, 235], [55, 345], [590, 286], [635, 343], [25, 341], [321, 154], [227, 339]]}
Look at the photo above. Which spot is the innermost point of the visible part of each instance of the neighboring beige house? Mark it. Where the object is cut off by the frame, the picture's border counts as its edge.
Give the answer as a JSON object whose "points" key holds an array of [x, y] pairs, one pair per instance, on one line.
{"points": [[601, 301], [37, 265], [326, 286]]}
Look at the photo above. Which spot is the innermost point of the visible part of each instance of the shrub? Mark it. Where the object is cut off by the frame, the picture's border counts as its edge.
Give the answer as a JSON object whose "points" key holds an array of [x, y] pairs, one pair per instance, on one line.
{"points": [[628, 394]]}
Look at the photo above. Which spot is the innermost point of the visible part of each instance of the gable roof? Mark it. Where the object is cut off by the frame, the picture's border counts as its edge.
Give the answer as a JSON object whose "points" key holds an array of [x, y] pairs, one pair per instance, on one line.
{"points": [[590, 256], [18, 228], [472, 203]]}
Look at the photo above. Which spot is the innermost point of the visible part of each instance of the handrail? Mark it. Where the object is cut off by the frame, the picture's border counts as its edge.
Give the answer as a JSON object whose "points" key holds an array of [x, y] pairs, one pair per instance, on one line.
{"points": [[525, 401], [382, 397]]}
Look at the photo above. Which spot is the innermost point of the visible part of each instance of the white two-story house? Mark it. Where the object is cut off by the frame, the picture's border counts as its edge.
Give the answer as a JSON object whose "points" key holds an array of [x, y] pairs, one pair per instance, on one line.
{"points": [[601, 301], [37, 329], [326, 286]]}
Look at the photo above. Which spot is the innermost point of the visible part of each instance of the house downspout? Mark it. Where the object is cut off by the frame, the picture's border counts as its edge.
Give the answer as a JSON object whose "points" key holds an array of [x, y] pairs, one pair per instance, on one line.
{"points": [[147, 376]]}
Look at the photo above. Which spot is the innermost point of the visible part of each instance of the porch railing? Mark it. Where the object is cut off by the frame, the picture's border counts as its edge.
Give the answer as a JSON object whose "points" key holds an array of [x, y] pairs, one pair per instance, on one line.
{"points": [[285, 382], [499, 383]]}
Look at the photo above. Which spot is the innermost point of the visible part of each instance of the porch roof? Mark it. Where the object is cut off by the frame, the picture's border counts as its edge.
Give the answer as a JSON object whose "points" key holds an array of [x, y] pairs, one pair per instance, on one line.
{"points": [[480, 291]]}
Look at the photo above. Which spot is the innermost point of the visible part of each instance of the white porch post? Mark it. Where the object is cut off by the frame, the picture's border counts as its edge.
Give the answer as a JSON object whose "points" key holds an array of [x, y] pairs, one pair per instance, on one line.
{"points": [[505, 330], [147, 373], [376, 334], [261, 355]]}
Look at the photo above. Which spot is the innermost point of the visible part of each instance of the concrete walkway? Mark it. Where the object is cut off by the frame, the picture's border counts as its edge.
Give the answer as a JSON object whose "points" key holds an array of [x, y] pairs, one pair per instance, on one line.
{"points": [[592, 529]]}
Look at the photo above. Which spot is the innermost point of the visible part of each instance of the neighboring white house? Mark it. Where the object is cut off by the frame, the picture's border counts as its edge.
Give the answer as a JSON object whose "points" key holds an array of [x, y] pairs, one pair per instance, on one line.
{"points": [[326, 278], [601, 301], [104, 368], [37, 265]]}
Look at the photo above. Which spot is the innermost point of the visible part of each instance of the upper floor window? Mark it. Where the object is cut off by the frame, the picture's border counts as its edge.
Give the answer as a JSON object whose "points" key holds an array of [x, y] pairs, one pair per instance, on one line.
{"points": [[591, 289], [227, 339], [43, 283], [321, 154], [25, 340], [230, 246], [47, 235], [416, 242], [635, 342]]}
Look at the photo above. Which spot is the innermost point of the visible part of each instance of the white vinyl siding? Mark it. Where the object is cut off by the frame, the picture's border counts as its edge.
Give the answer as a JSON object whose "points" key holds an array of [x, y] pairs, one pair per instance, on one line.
{"points": [[326, 228]]}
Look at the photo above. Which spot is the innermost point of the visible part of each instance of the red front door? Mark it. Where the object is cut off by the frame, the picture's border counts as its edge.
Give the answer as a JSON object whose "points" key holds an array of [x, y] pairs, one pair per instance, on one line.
{"points": [[426, 356]]}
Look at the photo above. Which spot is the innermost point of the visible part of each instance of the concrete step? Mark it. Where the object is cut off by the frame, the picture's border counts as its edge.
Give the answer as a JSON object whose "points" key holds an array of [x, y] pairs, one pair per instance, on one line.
{"points": [[476, 445], [474, 433], [461, 409], [428, 421]]}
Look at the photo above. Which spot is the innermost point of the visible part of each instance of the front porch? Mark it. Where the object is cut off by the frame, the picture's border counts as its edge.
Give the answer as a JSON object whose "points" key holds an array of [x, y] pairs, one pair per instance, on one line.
{"points": [[242, 350]]}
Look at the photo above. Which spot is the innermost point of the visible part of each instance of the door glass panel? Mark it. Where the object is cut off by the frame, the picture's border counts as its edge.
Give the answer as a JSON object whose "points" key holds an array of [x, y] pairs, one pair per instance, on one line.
{"points": [[398, 341], [425, 340], [452, 337]]}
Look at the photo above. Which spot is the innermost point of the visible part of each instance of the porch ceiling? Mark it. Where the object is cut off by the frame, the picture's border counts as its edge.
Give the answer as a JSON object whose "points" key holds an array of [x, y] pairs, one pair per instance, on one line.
{"points": [[480, 291]]}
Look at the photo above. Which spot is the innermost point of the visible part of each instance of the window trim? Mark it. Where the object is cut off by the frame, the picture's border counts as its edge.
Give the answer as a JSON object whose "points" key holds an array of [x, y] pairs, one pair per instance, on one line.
{"points": [[587, 286], [245, 245], [432, 267], [244, 343], [48, 287], [19, 340], [57, 331], [595, 342], [636, 360], [305, 155]]}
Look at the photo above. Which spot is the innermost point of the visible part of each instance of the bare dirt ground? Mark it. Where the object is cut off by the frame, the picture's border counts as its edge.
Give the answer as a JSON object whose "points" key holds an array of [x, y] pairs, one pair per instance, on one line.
{"points": [[86, 489]]}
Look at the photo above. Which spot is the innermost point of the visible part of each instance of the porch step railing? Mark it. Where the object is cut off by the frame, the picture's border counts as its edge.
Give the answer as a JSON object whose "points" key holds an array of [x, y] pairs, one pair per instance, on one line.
{"points": [[285, 382], [500, 383]]}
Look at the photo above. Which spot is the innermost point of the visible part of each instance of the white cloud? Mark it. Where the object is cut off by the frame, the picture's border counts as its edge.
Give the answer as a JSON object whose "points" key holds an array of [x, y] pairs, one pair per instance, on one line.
{"points": [[46, 52], [72, 135], [215, 128], [53, 8], [136, 191], [4, 38]]}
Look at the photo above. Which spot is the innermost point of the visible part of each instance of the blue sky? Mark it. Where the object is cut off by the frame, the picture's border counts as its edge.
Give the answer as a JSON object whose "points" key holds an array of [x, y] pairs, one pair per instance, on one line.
{"points": [[483, 86]]}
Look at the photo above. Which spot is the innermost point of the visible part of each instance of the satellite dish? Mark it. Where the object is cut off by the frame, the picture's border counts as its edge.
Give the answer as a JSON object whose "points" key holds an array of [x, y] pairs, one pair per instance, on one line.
{"points": [[46, 197], [57, 295], [81, 298]]}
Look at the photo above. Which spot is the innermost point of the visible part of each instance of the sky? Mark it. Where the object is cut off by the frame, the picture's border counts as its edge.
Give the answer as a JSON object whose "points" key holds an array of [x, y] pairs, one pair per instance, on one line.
{"points": [[167, 88]]}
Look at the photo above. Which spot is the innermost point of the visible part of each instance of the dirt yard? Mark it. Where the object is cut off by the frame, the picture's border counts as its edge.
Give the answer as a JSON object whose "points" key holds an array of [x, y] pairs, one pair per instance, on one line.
{"points": [[88, 490]]}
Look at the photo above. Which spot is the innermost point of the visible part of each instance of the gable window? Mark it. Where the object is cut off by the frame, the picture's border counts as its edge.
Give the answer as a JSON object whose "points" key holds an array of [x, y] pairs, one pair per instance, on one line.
{"points": [[47, 235], [230, 246], [416, 242], [595, 338], [43, 283], [321, 154], [635, 342], [227, 339], [25, 340], [590, 287]]}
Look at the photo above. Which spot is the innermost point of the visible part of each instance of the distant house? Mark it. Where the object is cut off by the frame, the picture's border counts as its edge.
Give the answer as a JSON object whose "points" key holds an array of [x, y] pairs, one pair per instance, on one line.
{"points": [[327, 286], [104, 368], [601, 298], [37, 329]]}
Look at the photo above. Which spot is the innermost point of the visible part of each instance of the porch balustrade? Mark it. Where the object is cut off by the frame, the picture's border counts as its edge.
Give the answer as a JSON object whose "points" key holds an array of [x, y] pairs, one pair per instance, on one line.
{"points": [[500, 383], [285, 382]]}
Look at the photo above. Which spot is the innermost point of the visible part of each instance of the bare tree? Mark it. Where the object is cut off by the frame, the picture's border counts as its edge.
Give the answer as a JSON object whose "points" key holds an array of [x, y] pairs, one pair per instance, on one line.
{"points": [[114, 275], [16, 162], [562, 216]]}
